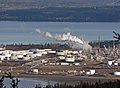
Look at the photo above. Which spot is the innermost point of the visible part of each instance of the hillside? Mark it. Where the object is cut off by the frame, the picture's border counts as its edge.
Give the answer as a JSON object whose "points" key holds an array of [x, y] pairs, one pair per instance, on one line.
{"points": [[28, 4], [61, 14], [60, 10]]}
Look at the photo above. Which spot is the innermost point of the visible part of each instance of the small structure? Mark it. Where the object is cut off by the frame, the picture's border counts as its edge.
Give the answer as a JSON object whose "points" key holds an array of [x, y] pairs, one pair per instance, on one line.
{"points": [[117, 73], [76, 64], [116, 64], [64, 63], [110, 62], [43, 61], [35, 70], [91, 72], [70, 58]]}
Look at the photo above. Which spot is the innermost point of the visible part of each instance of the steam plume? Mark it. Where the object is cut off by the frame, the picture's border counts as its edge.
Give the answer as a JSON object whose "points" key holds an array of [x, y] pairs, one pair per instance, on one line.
{"points": [[61, 37], [74, 42], [78, 46]]}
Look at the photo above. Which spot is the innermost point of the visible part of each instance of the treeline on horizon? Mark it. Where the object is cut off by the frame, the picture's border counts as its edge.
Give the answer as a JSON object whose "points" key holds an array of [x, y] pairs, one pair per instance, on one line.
{"points": [[55, 46], [106, 43], [100, 84], [58, 46], [64, 14]]}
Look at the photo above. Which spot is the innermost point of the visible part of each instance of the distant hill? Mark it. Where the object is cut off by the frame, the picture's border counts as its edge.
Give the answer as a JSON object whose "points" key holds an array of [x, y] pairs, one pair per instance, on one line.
{"points": [[62, 14], [28, 4], [60, 10]]}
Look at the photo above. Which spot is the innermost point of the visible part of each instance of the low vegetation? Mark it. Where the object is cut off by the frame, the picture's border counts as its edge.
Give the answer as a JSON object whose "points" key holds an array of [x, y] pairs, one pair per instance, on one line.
{"points": [[15, 81]]}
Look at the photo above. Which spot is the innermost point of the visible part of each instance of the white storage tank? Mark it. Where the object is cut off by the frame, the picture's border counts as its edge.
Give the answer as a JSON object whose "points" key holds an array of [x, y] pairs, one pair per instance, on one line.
{"points": [[20, 56], [32, 56], [76, 64], [74, 52], [7, 55], [13, 57], [61, 57], [110, 62], [43, 61], [64, 63], [61, 53], [47, 49], [117, 73], [92, 72], [38, 55], [26, 58], [35, 70], [29, 53], [52, 52], [116, 64], [44, 53], [41, 50], [2, 57], [33, 50], [87, 73], [70, 59]]}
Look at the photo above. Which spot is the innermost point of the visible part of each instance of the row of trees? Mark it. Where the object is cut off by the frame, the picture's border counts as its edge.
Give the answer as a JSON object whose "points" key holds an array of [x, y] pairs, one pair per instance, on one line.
{"points": [[110, 84], [54, 46]]}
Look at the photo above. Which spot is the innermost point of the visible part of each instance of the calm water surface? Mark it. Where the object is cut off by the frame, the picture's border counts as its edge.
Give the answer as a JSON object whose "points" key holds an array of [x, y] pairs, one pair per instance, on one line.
{"points": [[29, 82]]}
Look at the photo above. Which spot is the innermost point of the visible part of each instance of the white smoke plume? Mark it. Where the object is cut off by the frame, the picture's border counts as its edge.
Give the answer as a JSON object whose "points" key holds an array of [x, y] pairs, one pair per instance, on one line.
{"points": [[84, 46], [74, 42], [61, 37]]}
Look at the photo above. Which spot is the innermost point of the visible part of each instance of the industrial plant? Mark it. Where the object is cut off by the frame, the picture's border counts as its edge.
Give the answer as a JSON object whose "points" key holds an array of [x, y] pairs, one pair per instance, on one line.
{"points": [[86, 61], [95, 62]]}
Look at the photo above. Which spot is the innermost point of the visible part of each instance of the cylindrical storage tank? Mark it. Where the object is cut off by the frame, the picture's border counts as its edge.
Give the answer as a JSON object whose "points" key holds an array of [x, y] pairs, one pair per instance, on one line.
{"points": [[51, 52], [116, 64], [13, 53], [13, 57], [110, 62], [92, 72], [26, 58], [41, 50], [70, 59], [88, 73], [2, 57], [7, 55], [20, 56], [35, 70], [38, 54], [117, 73], [64, 63], [1, 52], [30, 53], [61, 57], [77, 64], [47, 49], [61, 53], [32, 56], [24, 53], [43, 61], [44, 53], [74, 52]]}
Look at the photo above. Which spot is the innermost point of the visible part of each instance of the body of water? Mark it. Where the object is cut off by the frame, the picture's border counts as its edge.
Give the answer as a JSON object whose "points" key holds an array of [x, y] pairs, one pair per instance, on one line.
{"points": [[29, 83], [24, 32]]}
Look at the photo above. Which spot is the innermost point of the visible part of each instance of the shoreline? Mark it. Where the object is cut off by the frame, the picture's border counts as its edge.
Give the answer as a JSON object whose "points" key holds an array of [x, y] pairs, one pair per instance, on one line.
{"points": [[68, 79]]}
